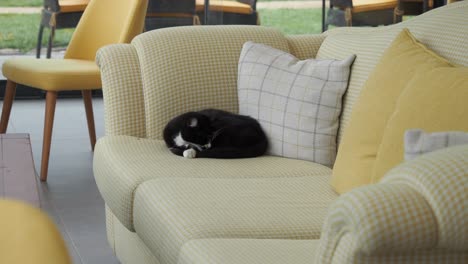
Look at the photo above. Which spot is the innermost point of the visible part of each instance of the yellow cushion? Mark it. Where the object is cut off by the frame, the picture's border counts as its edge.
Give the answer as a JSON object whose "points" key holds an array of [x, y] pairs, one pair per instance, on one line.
{"points": [[436, 100], [361, 140], [28, 236], [53, 74], [225, 6], [68, 6]]}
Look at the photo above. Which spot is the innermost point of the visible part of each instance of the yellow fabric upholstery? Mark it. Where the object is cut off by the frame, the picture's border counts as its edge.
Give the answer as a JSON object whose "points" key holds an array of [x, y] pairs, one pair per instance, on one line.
{"points": [[358, 149], [227, 6], [200, 73], [304, 46], [122, 163], [440, 177], [124, 105], [127, 245], [371, 5], [442, 30], [243, 251], [433, 101], [133, 77], [28, 236], [78, 70], [170, 212], [415, 215], [68, 6], [106, 22], [54, 74]]}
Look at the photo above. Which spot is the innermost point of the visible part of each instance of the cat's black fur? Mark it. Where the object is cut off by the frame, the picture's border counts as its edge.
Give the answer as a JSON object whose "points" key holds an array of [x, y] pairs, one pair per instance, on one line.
{"points": [[215, 133]]}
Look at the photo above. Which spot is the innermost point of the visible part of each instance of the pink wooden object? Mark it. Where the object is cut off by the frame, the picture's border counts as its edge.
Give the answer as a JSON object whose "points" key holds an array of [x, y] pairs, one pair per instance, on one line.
{"points": [[17, 173]]}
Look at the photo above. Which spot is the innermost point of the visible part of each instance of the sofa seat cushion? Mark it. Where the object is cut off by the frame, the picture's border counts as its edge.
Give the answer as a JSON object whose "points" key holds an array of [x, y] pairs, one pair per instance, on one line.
{"points": [[241, 251], [121, 163], [170, 212]]}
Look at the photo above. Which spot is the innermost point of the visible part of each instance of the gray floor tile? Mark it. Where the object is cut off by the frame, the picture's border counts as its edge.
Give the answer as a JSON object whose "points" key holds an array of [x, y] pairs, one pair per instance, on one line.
{"points": [[70, 196]]}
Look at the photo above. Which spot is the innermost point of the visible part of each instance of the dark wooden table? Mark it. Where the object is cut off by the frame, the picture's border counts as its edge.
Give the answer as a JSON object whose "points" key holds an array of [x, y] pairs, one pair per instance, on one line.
{"points": [[17, 173]]}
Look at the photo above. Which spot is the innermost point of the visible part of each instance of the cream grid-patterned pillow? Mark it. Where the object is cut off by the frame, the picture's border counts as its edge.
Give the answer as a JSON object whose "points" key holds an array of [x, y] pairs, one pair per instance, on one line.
{"points": [[419, 142], [298, 103]]}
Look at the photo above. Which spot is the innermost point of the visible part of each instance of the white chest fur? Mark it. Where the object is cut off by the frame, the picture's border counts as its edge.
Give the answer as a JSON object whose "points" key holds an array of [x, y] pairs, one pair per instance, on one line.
{"points": [[179, 141]]}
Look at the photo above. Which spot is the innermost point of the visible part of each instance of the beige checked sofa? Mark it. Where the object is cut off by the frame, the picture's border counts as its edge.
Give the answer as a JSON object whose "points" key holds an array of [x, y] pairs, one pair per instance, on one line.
{"points": [[164, 209]]}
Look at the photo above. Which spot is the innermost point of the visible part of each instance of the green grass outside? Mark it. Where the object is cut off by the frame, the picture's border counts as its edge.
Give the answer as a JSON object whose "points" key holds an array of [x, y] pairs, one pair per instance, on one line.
{"points": [[39, 2], [21, 3], [293, 21], [19, 31]]}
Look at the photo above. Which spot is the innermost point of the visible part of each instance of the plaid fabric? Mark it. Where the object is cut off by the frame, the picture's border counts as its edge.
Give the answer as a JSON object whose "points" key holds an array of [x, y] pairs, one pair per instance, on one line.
{"points": [[417, 214], [418, 142], [297, 103], [304, 46], [442, 30], [122, 90], [248, 251], [127, 245], [122, 163], [442, 178], [170, 212], [431, 256], [191, 68]]}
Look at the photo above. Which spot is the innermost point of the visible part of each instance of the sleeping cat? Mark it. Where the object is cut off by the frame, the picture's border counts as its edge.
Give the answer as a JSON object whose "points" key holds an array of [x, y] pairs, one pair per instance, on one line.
{"points": [[212, 133]]}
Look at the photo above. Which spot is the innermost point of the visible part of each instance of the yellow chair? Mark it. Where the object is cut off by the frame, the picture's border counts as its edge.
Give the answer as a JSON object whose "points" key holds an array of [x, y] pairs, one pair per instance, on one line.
{"points": [[58, 14], [28, 236], [103, 22]]}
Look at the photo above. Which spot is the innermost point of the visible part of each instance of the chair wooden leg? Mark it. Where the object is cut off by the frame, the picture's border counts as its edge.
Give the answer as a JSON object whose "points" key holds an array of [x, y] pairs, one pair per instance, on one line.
{"points": [[51, 99], [39, 41], [51, 40], [10, 92], [88, 102]]}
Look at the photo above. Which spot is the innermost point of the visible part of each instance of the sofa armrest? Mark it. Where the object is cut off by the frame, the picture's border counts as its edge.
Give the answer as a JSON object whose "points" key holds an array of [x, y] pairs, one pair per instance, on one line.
{"points": [[122, 89], [305, 46], [417, 212]]}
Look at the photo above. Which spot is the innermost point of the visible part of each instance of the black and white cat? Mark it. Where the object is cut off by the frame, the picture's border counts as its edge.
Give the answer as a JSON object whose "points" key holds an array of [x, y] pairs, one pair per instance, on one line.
{"points": [[212, 133]]}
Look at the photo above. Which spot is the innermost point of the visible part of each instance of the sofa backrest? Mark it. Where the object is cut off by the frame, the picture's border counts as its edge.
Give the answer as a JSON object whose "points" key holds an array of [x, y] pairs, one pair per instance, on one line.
{"points": [[191, 68], [443, 30]]}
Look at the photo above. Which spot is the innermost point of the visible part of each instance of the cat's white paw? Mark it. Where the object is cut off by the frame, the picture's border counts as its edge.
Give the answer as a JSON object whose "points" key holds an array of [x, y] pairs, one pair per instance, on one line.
{"points": [[190, 153]]}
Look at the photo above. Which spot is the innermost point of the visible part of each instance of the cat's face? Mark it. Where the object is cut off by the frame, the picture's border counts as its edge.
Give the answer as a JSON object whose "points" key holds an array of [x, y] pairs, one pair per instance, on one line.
{"points": [[195, 132]]}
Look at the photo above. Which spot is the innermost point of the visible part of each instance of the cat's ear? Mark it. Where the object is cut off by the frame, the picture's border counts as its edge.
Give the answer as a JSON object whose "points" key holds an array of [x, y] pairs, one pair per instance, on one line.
{"points": [[193, 122]]}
